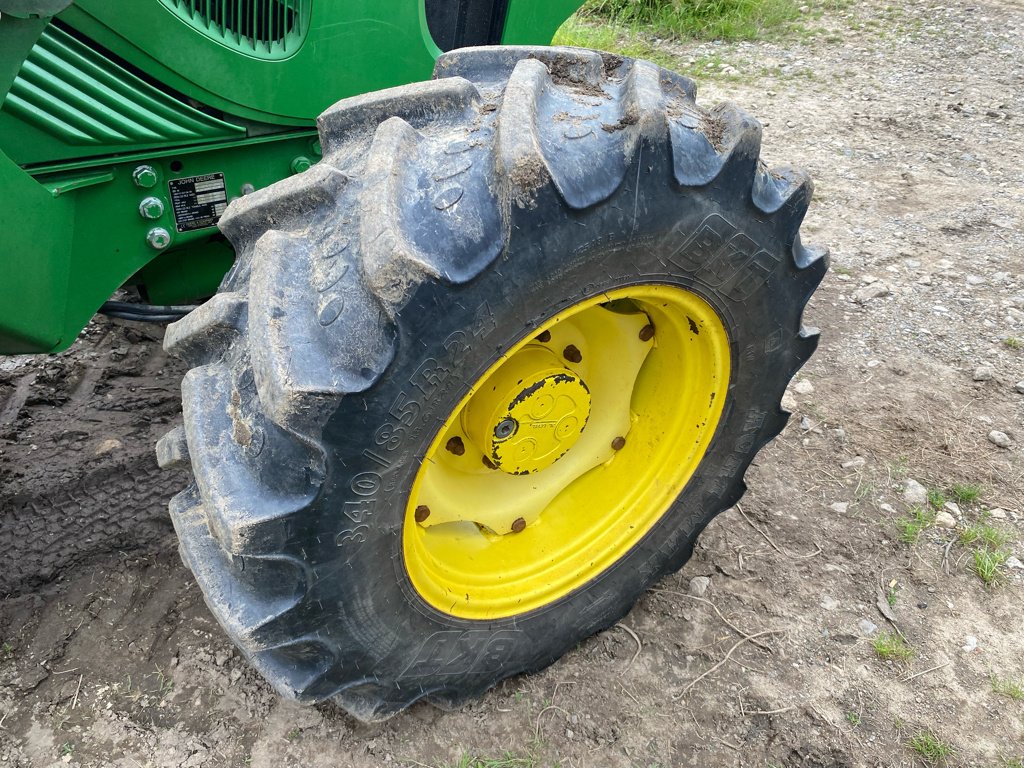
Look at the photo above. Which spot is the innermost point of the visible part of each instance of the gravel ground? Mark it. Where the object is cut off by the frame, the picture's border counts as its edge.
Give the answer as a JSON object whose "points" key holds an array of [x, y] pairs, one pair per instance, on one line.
{"points": [[767, 648]]}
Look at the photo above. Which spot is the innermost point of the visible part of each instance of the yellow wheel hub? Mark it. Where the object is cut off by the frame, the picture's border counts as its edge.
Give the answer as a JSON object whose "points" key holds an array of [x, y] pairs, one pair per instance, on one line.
{"points": [[566, 452], [533, 410]]}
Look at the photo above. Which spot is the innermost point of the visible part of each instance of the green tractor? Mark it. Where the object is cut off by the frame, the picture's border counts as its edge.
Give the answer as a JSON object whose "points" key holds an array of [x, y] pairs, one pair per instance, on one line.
{"points": [[473, 359]]}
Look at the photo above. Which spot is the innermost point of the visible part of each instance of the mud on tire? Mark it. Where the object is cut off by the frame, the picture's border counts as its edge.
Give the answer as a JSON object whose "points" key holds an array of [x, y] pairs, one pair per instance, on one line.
{"points": [[447, 221]]}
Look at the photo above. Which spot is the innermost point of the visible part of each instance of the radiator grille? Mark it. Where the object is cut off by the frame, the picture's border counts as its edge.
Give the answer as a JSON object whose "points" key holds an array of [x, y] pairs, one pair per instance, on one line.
{"points": [[271, 29]]}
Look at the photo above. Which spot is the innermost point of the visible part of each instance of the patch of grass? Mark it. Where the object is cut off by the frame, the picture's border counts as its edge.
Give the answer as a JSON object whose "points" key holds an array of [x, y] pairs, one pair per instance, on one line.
{"points": [[294, 734], [1013, 342], [986, 564], [1013, 762], [7, 651], [67, 748], [1013, 689], [892, 647], [936, 498], [931, 748], [984, 535], [909, 528], [615, 39], [508, 760], [702, 19], [965, 493], [853, 718]]}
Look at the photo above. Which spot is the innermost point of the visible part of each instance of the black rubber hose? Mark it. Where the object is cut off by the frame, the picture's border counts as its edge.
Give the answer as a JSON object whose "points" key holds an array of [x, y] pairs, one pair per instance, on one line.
{"points": [[145, 313]]}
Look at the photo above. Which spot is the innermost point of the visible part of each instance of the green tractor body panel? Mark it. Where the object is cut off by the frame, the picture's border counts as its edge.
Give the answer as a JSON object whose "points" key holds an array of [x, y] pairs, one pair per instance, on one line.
{"points": [[126, 128]]}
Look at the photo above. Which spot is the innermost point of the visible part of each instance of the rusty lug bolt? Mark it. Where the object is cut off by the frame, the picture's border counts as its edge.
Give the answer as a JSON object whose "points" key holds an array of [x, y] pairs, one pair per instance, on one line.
{"points": [[518, 525], [618, 443], [544, 337], [422, 513], [572, 354], [647, 332], [455, 445]]}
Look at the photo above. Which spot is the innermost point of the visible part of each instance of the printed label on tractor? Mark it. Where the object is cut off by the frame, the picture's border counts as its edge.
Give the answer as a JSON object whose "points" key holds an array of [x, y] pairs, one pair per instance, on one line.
{"points": [[198, 201]]}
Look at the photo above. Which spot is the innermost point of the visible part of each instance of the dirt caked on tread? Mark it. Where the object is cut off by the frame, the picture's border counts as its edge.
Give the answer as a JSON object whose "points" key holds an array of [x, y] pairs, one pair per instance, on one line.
{"points": [[446, 220]]}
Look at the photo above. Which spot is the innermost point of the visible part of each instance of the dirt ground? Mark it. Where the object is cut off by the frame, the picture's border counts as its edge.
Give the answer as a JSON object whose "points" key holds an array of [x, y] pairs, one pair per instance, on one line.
{"points": [[910, 119]]}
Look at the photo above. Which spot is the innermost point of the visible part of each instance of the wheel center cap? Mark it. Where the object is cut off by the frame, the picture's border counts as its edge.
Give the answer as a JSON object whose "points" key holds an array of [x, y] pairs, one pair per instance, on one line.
{"points": [[533, 414]]}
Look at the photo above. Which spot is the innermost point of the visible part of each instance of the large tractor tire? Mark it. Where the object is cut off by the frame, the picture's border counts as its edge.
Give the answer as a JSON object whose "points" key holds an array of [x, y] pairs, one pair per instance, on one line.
{"points": [[484, 373]]}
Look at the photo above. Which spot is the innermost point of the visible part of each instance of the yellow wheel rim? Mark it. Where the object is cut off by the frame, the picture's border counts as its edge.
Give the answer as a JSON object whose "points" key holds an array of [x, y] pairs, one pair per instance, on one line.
{"points": [[566, 452]]}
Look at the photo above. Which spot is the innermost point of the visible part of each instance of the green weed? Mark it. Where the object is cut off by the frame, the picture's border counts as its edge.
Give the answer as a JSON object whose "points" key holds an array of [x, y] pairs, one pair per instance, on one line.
{"points": [[984, 535], [892, 647], [892, 593], [965, 493], [1013, 342], [930, 747], [508, 760], [936, 498], [1013, 689], [986, 564], [853, 718], [909, 528]]}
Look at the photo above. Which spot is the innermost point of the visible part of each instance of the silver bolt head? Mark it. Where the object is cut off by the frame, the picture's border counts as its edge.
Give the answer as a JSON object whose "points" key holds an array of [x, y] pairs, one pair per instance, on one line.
{"points": [[158, 238], [151, 208]]}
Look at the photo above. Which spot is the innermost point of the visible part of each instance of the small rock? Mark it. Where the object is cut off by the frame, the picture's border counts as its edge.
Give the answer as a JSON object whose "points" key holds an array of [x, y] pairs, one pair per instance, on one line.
{"points": [[108, 445], [970, 643], [953, 508], [221, 658], [829, 603], [839, 507], [1014, 562], [838, 433], [803, 387], [887, 508], [1000, 439], [997, 514], [699, 586], [805, 424], [922, 605], [867, 627], [871, 291], [945, 520], [914, 492], [789, 402], [857, 461], [983, 373], [1019, 386]]}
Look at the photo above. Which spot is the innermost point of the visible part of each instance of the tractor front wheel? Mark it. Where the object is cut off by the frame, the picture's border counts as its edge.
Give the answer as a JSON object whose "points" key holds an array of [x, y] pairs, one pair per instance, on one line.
{"points": [[483, 374]]}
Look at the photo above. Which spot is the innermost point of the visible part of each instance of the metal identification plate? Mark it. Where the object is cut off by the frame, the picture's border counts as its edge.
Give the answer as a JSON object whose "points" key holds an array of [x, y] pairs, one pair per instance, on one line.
{"points": [[198, 201]]}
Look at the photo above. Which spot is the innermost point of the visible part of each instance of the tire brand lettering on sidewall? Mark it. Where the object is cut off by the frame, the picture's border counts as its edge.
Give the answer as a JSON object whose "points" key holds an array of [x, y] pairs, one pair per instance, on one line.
{"points": [[721, 256], [452, 652]]}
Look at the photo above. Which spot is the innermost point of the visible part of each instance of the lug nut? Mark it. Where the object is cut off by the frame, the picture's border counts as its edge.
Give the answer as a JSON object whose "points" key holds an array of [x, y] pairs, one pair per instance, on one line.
{"points": [[422, 513], [506, 428], [455, 445], [518, 525], [618, 443], [572, 354], [647, 332], [544, 337]]}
